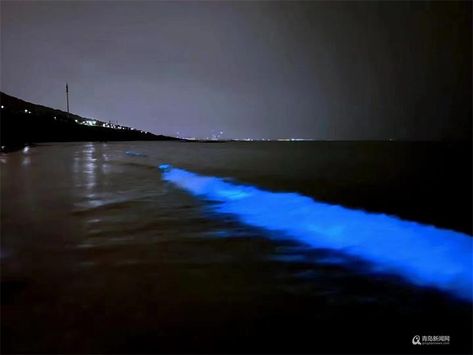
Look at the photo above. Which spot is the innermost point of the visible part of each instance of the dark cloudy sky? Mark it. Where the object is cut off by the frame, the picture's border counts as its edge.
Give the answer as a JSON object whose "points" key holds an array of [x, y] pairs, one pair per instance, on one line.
{"points": [[356, 70]]}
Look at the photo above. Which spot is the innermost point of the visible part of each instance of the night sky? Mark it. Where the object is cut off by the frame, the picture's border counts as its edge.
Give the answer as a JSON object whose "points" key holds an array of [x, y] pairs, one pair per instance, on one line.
{"points": [[355, 70]]}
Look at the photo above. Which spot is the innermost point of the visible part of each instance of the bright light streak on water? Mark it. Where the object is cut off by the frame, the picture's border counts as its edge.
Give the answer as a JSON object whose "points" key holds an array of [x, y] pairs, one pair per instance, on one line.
{"points": [[421, 254]]}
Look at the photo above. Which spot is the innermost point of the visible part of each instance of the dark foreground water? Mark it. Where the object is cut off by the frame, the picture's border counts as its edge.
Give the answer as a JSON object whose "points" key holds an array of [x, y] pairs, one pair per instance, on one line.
{"points": [[100, 255]]}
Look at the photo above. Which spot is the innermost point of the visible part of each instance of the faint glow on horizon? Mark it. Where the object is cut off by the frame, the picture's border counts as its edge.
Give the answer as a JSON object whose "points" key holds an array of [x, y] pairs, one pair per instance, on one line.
{"points": [[421, 254]]}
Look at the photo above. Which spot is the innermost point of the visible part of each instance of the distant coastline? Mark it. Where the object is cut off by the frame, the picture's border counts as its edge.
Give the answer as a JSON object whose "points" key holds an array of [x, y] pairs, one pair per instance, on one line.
{"points": [[24, 123]]}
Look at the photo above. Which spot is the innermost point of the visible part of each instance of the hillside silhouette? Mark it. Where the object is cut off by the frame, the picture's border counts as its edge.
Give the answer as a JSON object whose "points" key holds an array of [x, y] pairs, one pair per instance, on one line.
{"points": [[23, 123]]}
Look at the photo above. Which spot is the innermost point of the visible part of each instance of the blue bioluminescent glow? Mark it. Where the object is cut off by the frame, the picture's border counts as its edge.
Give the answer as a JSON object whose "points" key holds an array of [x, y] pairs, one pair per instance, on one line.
{"points": [[423, 255], [135, 154]]}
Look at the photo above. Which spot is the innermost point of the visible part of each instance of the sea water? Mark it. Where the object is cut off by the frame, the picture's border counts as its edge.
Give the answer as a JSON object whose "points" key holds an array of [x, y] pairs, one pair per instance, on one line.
{"points": [[101, 253]]}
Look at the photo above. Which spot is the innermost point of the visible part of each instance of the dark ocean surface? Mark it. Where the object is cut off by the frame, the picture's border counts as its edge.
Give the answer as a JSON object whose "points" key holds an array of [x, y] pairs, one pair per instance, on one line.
{"points": [[100, 255]]}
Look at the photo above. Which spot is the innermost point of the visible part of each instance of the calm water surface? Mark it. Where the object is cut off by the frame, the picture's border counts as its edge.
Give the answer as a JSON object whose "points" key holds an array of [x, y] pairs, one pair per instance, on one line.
{"points": [[100, 255]]}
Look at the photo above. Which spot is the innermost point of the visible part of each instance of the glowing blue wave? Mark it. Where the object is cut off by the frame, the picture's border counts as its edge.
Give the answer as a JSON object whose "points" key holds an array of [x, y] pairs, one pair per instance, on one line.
{"points": [[135, 154], [421, 254]]}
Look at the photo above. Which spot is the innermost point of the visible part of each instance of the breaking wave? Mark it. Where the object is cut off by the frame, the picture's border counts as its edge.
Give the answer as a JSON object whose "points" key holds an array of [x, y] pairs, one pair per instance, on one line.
{"points": [[423, 255]]}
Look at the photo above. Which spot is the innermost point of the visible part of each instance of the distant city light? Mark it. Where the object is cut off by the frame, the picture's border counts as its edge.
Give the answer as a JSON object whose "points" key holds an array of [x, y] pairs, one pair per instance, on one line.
{"points": [[3, 106], [89, 122]]}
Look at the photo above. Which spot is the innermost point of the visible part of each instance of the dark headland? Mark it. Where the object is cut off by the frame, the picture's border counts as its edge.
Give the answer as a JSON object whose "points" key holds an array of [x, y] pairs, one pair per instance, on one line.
{"points": [[24, 123]]}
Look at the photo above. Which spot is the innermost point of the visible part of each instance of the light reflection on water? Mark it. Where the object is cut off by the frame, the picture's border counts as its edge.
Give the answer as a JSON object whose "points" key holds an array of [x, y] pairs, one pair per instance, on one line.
{"points": [[91, 166], [86, 166], [26, 157]]}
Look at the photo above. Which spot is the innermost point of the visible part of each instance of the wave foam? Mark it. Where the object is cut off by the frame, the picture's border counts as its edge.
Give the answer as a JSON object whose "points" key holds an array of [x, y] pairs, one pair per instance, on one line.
{"points": [[423, 255]]}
